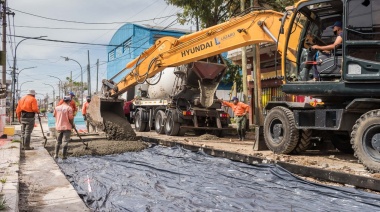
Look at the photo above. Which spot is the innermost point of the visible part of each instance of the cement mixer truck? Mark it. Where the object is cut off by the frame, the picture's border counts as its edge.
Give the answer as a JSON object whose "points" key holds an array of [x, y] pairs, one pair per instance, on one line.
{"points": [[180, 99]]}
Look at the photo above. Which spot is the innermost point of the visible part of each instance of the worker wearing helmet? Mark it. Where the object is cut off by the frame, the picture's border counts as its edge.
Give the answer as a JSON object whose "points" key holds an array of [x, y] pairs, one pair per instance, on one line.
{"points": [[84, 113], [72, 103], [240, 111], [64, 123], [26, 110]]}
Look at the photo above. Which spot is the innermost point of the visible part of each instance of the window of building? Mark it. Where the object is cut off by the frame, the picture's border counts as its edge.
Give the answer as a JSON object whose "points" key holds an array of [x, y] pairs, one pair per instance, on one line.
{"points": [[111, 55]]}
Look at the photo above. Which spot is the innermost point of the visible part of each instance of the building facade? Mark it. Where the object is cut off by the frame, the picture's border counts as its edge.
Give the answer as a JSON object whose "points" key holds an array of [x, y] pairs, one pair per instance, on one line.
{"points": [[129, 42]]}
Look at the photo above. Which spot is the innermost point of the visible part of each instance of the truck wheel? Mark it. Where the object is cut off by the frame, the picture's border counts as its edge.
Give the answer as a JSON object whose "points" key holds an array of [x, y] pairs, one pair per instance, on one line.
{"points": [[342, 142], [365, 140], [140, 126], [304, 141], [280, 132], [171, 127], [159, 122]]}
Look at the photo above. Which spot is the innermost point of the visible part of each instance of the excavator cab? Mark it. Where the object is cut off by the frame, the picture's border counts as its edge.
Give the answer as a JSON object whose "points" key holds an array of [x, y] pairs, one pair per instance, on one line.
{"points": [[347, 86]]}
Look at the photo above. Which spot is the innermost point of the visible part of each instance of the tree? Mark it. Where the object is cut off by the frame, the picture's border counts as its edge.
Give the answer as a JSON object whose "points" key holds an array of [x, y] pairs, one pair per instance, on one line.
{"points": [[233, 75], [212, 12]]}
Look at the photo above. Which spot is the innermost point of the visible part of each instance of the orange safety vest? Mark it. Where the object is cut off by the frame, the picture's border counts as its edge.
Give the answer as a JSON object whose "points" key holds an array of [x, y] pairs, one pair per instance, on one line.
{"points": [[27, 103]]}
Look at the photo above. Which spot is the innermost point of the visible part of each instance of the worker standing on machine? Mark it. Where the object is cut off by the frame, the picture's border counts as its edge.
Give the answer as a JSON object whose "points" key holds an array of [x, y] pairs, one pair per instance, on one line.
{"points": [[26, 111], [72, 103], [84, 113], [64, 122], [240, 111]]}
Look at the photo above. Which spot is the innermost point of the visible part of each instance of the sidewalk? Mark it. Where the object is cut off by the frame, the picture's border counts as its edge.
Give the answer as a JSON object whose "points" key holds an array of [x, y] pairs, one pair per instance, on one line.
{"points": [[34, 181]]}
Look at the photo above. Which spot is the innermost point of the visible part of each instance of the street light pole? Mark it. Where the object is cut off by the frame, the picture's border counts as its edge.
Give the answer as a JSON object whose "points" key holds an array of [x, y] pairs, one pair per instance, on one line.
{"points": [[60, 86], [14, 75], [53, 92], [81, 78], [18, 75], [19, 91]]}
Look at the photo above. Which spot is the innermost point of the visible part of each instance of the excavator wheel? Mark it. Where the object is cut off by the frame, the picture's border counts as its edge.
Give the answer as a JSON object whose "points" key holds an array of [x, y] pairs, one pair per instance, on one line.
{"points": [[140, 125], [304, 141], [159, 122], [280, 133], [171, 127], [365, 140]]}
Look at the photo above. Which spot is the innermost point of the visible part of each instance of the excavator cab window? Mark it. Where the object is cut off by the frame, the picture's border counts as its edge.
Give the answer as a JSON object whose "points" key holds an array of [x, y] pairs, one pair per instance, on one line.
{"points": [[362, 59], [311, 24]]}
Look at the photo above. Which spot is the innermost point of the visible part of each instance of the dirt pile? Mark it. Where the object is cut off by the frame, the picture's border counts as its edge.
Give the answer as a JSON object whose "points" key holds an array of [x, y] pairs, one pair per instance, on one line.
{"points": [[101, 147], [207, 137]]}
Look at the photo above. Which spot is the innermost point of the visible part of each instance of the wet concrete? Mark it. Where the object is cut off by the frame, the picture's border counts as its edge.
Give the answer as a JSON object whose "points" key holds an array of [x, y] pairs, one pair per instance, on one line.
{"points": [[99, 147], [110, 119]]}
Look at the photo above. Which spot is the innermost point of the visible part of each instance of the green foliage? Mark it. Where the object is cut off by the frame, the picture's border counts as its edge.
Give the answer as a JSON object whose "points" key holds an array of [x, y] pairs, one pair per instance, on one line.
{"points": [[42, 110], [3, 180], [233, 75], [212, 12]]}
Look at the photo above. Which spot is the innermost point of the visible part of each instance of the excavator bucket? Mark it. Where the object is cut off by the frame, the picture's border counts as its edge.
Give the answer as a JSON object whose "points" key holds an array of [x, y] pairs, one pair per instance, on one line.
{"points": [[210, 74], [108, 115]]}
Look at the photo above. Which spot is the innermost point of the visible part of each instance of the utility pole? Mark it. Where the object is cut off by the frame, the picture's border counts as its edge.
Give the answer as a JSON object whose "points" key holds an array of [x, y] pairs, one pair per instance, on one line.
{"points": [[97, 75], [88, 75], [244, 62], [257, 78], [4, 50]]}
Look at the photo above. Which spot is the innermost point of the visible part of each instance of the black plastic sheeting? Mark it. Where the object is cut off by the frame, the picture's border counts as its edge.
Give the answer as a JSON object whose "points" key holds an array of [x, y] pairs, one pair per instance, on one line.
{"points": [[174, 179]]}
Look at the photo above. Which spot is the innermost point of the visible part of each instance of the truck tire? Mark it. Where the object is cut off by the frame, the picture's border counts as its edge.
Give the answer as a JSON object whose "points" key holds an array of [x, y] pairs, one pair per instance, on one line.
{"points": [[159, 122], [304, 141], [280, 132], [365, 142], [171, 127], [140, 126], [342, 143]]}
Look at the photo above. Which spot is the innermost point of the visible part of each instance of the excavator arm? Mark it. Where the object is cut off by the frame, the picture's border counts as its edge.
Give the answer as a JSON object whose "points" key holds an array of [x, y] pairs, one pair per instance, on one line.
{"points": [[252, 28]]}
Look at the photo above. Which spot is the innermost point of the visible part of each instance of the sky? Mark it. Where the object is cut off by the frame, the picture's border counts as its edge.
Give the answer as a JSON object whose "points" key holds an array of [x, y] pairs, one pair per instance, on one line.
{"points": [[47, 56]]}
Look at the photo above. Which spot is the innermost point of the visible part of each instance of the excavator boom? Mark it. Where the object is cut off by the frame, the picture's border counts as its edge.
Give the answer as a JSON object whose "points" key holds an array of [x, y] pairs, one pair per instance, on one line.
{"points": [[252, 28]]}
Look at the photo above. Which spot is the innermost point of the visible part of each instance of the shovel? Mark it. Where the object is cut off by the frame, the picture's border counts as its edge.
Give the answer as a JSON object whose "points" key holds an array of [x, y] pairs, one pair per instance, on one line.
{"points": [[80, 138], [42, 129]]}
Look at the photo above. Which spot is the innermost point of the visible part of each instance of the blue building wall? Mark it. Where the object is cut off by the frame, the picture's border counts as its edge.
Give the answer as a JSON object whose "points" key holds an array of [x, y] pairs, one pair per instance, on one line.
{"points": [[128, 43]]}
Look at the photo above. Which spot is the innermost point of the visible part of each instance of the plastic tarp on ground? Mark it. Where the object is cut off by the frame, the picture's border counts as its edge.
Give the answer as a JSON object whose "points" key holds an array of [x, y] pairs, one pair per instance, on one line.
{"points": [[174, 179]]}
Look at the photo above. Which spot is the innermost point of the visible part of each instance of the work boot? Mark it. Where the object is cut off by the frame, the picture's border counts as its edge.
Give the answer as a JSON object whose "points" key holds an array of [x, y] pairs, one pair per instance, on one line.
{"points": [[239, 134], [56, 151], [64, 153], [242, 135]]}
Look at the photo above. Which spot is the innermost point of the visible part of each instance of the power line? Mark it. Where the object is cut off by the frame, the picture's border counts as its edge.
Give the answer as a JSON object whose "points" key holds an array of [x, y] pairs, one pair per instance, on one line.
{"points": [[62, 41], [82, 22]]}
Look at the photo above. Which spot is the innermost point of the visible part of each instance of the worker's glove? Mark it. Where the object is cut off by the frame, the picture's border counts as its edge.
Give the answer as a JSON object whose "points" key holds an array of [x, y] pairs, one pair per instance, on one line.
{"points": [[84, 117]]}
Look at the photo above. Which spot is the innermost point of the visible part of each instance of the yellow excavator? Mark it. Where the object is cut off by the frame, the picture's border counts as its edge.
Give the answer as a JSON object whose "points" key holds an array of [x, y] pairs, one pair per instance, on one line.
{"points": [[347, 82]]}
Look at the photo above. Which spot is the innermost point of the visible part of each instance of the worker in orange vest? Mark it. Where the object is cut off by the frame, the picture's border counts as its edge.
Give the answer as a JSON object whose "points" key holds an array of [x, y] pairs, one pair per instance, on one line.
{"points": [[72, 103], [63, 124], [26, 111], [240, 111], [84, 113]]}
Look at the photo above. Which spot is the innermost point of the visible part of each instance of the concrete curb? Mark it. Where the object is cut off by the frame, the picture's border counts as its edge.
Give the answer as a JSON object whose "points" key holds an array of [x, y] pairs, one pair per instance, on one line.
{"points": [[10, 167]]}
